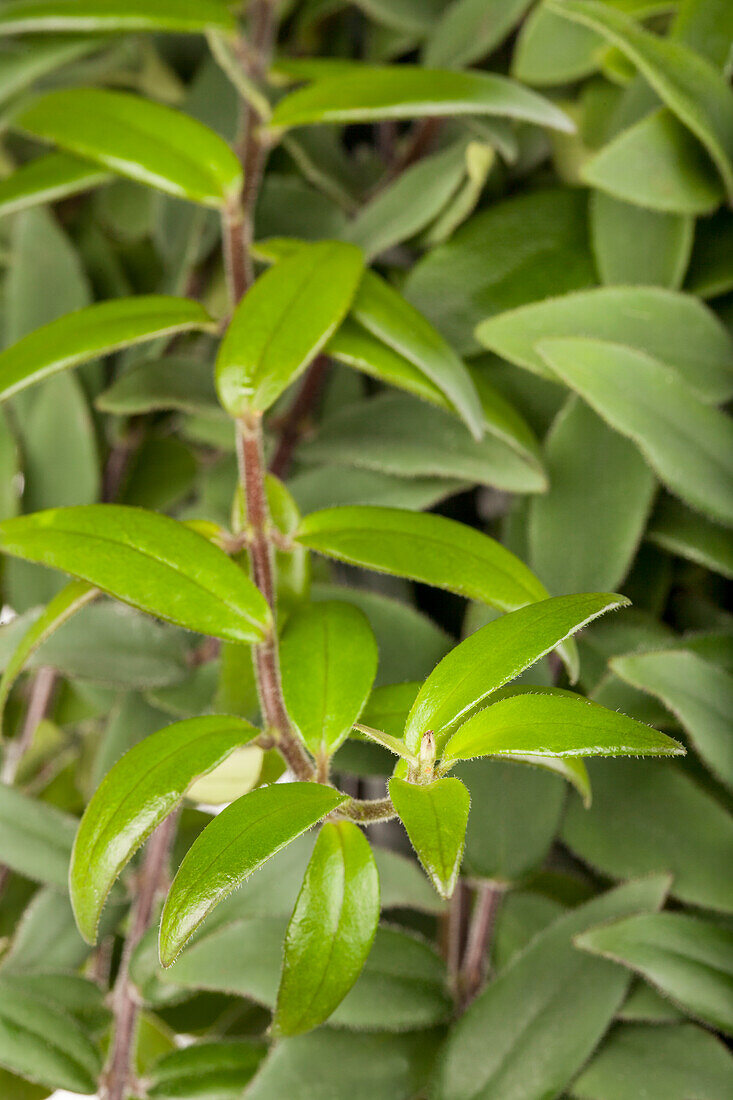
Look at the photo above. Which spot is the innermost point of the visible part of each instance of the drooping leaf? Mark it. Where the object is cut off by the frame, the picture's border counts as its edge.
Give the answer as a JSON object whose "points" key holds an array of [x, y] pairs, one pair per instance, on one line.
{"points": [[680, 531], [658, 164], [688, 444], [686, 82], [649, 319], [539, 1043], [668, 1063], [42, 1043], [603, 501], [140, 139], [328, 659], [232, 846], [427, 548], [205, 1068], [108, 16], [409, 91], [147, 560], [649, 816], [698, 693], [554, 725], [331, 930], [434, 815], [97, 330], [68, 601], [496, 654], [48, 179], [283, 322], [136, 796], [35, 838], [687, 959]]}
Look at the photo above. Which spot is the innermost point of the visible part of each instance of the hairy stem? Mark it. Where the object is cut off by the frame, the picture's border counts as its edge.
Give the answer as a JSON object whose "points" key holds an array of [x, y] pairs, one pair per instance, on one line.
{"points": [[117, 1080], [368, 811], [38, 703], [478, 945]]}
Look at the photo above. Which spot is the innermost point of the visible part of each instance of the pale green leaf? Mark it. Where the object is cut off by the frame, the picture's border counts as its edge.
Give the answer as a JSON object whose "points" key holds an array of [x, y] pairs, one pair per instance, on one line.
{"points": [[434, 815]]}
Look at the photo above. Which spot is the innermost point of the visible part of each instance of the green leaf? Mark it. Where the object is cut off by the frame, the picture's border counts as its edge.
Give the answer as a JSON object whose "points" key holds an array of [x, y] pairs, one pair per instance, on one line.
{"points": [[648, 319], [604, 500], [711, 268], [470, 29], [685, 958], [97, 330], [480, 271], [686, 82], [283, 322], [435, 816], [135, 796], [393, 433], [688, 444], [39, 16], [540, 1042], [667, 1063], [680, 531], [232, 846], [328, 659], [48, 179], [331, 930], [699, 694], [147, 560], [139, 139], [68, 601], [24, 62], [649, 816], [408, 91], [634, 245], [43, 1044], [35, 838], [496, 654], [174, 382], [423, 547], [205, 1069], [388, 706], [658, 164], [554, 725]]}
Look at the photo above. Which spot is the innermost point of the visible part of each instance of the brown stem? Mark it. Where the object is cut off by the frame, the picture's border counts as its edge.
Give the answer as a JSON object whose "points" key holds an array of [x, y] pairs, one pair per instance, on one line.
{"points": [[295, 420], [453, 934], [116, 1080], [480, 932], [419, 143], [38, 703]]}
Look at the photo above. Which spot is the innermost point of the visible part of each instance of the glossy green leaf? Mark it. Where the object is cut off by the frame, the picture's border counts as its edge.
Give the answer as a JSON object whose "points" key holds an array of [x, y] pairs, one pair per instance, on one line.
{"points": [[232, 846], [650, 816], [434, 816], [540, 1042], [39, 16], [408, 91], [140, 139], [686, 82], [687, 959], [395, 434], [649, 319], [668, 1063], [658, 164], [554, 725], [634, 245], [205, 1069], [42, 1043], [496, 654], [48, 179], [604, 500], [35, 838], [331, 930], [688, 444], [470, 29], [97, 330], [147, 560], [328, 659], [426, 548], [680, 531], [135, 796], [699, 694], [283, 322], [68, 601]]}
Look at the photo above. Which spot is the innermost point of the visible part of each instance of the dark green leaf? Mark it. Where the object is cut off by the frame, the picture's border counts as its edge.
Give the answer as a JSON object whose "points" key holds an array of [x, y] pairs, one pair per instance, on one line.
{"points": [[212, 1069], [48, 179], [35, 838], [681, 531], [331, 930], [434, 816], [634, 245]]}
